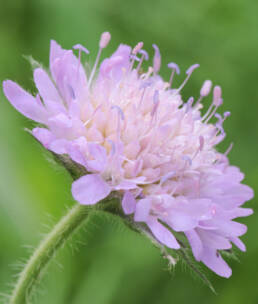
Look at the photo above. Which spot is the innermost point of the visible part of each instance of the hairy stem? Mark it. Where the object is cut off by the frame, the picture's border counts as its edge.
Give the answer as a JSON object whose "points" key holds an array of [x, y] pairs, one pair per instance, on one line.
{"points": [[46, 251]]}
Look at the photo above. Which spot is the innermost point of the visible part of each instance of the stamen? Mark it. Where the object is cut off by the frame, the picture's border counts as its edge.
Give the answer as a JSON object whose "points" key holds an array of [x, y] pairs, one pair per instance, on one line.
{"points": [[137, 48], [156, 102], [104, 40], [201, 141], [113, 146], [187, 159], [166, 177], [229, 149], [121, 116], [120, 111], [134, 58], [217, 101], [143, 86], [175, 68], [205, 91], [71, 91], [188, 73], [144, 56], [189, 104], [81, 49], [156, 59], [206, 88]]}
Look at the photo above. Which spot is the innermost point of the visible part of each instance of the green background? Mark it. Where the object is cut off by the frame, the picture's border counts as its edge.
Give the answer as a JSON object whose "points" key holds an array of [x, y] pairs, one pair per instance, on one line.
{"points": [[108, 263]]}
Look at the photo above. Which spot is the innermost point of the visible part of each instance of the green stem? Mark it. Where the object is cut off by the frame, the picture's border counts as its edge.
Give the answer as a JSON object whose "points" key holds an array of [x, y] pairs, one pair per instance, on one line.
{"points": [[46, 251]]}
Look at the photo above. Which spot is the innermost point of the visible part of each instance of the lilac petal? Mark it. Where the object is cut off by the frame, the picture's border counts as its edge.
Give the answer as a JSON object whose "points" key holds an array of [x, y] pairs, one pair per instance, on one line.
{"points": [[43, 135], [45, 86], [128, 203], [162, 234], [125, 185], [181, 222], [214, 261], [142, 210], [195, 243], [59, 146], [69, 76], [77, 151], [231, 228], [238, 243], [56, 52], [24, 102], [99, 155], [213, 240], [114, 66], [90, 189]]}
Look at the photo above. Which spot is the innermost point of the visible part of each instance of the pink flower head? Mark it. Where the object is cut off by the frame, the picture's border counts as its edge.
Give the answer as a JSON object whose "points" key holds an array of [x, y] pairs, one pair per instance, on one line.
{"points": [[135, 136]]}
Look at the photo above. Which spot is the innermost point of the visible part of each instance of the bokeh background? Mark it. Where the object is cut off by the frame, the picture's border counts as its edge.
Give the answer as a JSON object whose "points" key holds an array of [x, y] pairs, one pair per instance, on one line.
{"points": [[108, 263]]}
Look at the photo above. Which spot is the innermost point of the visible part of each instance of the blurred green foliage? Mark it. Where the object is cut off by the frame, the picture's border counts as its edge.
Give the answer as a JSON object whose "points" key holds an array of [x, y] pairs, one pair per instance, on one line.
{"points": [[108, 263]]}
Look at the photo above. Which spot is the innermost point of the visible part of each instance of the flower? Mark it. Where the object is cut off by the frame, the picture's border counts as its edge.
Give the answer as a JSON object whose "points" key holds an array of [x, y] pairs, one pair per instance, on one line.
{"points": [[135, 136]]}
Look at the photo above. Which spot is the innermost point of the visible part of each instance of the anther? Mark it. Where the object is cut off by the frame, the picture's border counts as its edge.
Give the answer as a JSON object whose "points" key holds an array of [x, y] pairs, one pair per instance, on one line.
{"points": [[188, 73], [137, 48], [175, 68], [104, 40], [81, 49], [144, 56], [206, 88], [156, 59]]}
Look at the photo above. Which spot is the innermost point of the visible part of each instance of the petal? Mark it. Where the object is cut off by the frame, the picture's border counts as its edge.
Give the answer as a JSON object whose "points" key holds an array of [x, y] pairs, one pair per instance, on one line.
{"points": [[128, 203], [195, 243], [238, 243], [99, 155], [43, 135], [55, 53], [142, 210], [162, 234], [181, 222], [214, 261], [113, 67], [45, 86], [90, 189], [59, 146], [24, 102], [214, 240], [231, 228]]}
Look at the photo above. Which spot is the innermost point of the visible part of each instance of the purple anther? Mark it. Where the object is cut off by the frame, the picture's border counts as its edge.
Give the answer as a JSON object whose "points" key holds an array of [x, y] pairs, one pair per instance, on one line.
{"points": [[81, 48], [174, 66], [120, 111], [134, 57], [192, 68], [167, 177], [145, 54], [226, 114]]}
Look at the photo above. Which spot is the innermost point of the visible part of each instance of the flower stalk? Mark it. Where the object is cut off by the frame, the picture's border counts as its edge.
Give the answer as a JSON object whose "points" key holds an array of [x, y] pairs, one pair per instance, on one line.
{"points": [[47, 249]]}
